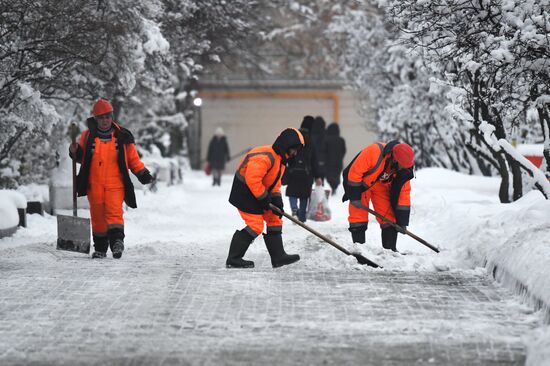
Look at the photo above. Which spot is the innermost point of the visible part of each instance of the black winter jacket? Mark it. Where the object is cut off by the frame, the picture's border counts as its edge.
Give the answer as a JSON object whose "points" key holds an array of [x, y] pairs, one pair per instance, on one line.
{"points": [[302, 170], [335, 148], [218, 152]]}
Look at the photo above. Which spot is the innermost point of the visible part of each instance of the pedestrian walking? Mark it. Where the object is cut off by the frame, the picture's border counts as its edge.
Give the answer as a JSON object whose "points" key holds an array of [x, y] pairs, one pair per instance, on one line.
{"points": [[256, 185], [301, 172], [380, 173], [335, 147], [317, 136], [218, 155], [106, 151]]}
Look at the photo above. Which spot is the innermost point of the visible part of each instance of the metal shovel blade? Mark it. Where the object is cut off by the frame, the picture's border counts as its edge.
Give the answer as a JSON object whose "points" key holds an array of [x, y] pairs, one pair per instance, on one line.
{"points": [[362, 260], [73, 234]]}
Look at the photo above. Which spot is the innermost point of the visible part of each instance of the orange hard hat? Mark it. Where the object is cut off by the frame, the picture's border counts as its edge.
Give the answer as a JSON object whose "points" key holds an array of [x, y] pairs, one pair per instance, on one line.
{"points": [[404, 155], [102, 106]]}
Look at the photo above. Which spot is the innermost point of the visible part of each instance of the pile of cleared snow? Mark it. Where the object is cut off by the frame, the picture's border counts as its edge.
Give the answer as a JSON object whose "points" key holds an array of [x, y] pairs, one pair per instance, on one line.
{"points": [[466, 216], [10, 201]]}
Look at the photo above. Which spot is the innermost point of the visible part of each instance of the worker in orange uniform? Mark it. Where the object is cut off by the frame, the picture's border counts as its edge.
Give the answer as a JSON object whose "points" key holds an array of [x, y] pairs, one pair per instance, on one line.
{"points": [[380, 173], [106, 151], [256, 184]]}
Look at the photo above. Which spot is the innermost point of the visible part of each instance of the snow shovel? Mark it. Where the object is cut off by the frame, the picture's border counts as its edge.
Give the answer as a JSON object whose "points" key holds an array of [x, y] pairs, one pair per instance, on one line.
{"points": [[73, 232], [361, 259], [401, 229]]}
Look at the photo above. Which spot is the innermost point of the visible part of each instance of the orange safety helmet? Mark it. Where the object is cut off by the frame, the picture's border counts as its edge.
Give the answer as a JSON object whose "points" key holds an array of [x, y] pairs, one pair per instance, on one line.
{"points": [[102, 106], [404, 155]]}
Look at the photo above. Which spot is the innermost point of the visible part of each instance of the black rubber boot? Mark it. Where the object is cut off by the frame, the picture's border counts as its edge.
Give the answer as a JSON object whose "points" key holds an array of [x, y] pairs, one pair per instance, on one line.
{"points": [[99, 255], [101, 244], [116, 239], [117, 247], [389, 238], [274, 244], [239, 245]]}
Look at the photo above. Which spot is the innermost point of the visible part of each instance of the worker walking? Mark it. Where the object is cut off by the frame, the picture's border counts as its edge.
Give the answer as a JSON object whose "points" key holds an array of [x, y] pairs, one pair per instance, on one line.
{"points": [[106, 151]]}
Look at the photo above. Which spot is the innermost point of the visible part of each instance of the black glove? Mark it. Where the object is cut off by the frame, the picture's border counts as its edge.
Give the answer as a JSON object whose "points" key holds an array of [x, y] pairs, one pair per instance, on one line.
{"points": [[277, 201], [358, 233], [401, 229], [264, 202], [145, 176]]}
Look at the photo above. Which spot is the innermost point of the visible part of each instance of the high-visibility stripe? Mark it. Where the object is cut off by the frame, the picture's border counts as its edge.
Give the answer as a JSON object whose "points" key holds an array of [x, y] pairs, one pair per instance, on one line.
{"points": [[274, 229], [115, 226], [357, 224], [247, 158], [403, 207], [263, 195], [251, 232], [102, 234], [378, 162]]}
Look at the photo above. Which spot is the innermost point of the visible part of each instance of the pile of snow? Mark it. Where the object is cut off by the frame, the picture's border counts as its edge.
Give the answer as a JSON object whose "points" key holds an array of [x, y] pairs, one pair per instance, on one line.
{"points": [[465, 216], [10, 201], [35, 192]]}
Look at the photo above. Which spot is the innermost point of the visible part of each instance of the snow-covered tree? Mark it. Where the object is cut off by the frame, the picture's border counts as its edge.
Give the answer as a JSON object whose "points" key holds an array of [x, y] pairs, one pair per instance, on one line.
{"points": [[496, 53], [57, 57], [395, 82]]}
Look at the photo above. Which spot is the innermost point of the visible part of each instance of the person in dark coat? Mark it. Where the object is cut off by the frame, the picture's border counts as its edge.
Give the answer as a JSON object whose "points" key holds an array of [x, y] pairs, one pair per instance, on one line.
{"points": [[218, 155], [335, 147], [317, 136], [301, 172]]}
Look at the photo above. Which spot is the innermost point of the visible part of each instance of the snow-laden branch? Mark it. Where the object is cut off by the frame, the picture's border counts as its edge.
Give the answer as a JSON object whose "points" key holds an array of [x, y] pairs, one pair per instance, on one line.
{"points": [[537, 175]]}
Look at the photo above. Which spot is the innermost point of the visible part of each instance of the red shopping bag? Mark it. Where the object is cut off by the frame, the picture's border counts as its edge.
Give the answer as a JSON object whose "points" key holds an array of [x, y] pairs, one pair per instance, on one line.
{"points": [[208, 169]]}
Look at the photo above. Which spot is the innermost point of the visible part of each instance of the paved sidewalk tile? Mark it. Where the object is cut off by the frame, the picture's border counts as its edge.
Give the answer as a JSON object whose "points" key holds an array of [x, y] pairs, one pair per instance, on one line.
{"points": [[163, 311]]}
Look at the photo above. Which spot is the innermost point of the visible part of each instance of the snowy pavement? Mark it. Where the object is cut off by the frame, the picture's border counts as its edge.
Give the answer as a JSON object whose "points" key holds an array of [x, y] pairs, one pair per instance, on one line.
{"points": [[170, 300]]}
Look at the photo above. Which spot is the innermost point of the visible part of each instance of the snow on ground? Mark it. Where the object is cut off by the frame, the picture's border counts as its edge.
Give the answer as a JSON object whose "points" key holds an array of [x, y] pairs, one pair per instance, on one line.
{"points": [[459, 214]]}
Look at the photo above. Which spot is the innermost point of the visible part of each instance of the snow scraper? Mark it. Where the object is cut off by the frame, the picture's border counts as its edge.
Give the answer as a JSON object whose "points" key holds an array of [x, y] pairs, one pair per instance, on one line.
{"points": [[73, 232], [360, 258]]}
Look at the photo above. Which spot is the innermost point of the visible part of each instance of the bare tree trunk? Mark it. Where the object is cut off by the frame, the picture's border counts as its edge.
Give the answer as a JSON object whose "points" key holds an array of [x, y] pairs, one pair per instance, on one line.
{"points": [[517, 183], [544, 119]]}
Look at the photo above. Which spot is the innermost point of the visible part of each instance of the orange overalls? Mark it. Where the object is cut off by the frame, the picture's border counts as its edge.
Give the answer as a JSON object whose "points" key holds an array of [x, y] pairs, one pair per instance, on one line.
{"points": [[367, 183], [105, 188], [261, 171]]}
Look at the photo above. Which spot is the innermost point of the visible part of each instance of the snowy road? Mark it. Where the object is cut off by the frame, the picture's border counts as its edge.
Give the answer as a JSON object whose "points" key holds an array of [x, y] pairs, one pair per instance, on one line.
{"points": [[170, 301]]}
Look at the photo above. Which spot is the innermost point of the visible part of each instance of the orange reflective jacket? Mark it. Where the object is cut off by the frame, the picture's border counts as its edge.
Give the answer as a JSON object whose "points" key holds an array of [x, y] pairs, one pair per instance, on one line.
{"points": [[259, 174], [367, 169], [108, 163]]}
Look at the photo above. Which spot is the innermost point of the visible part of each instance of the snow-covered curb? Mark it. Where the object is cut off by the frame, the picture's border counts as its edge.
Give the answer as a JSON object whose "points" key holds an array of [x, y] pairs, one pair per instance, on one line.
{"points": [[522, 261], [510, 240]]}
